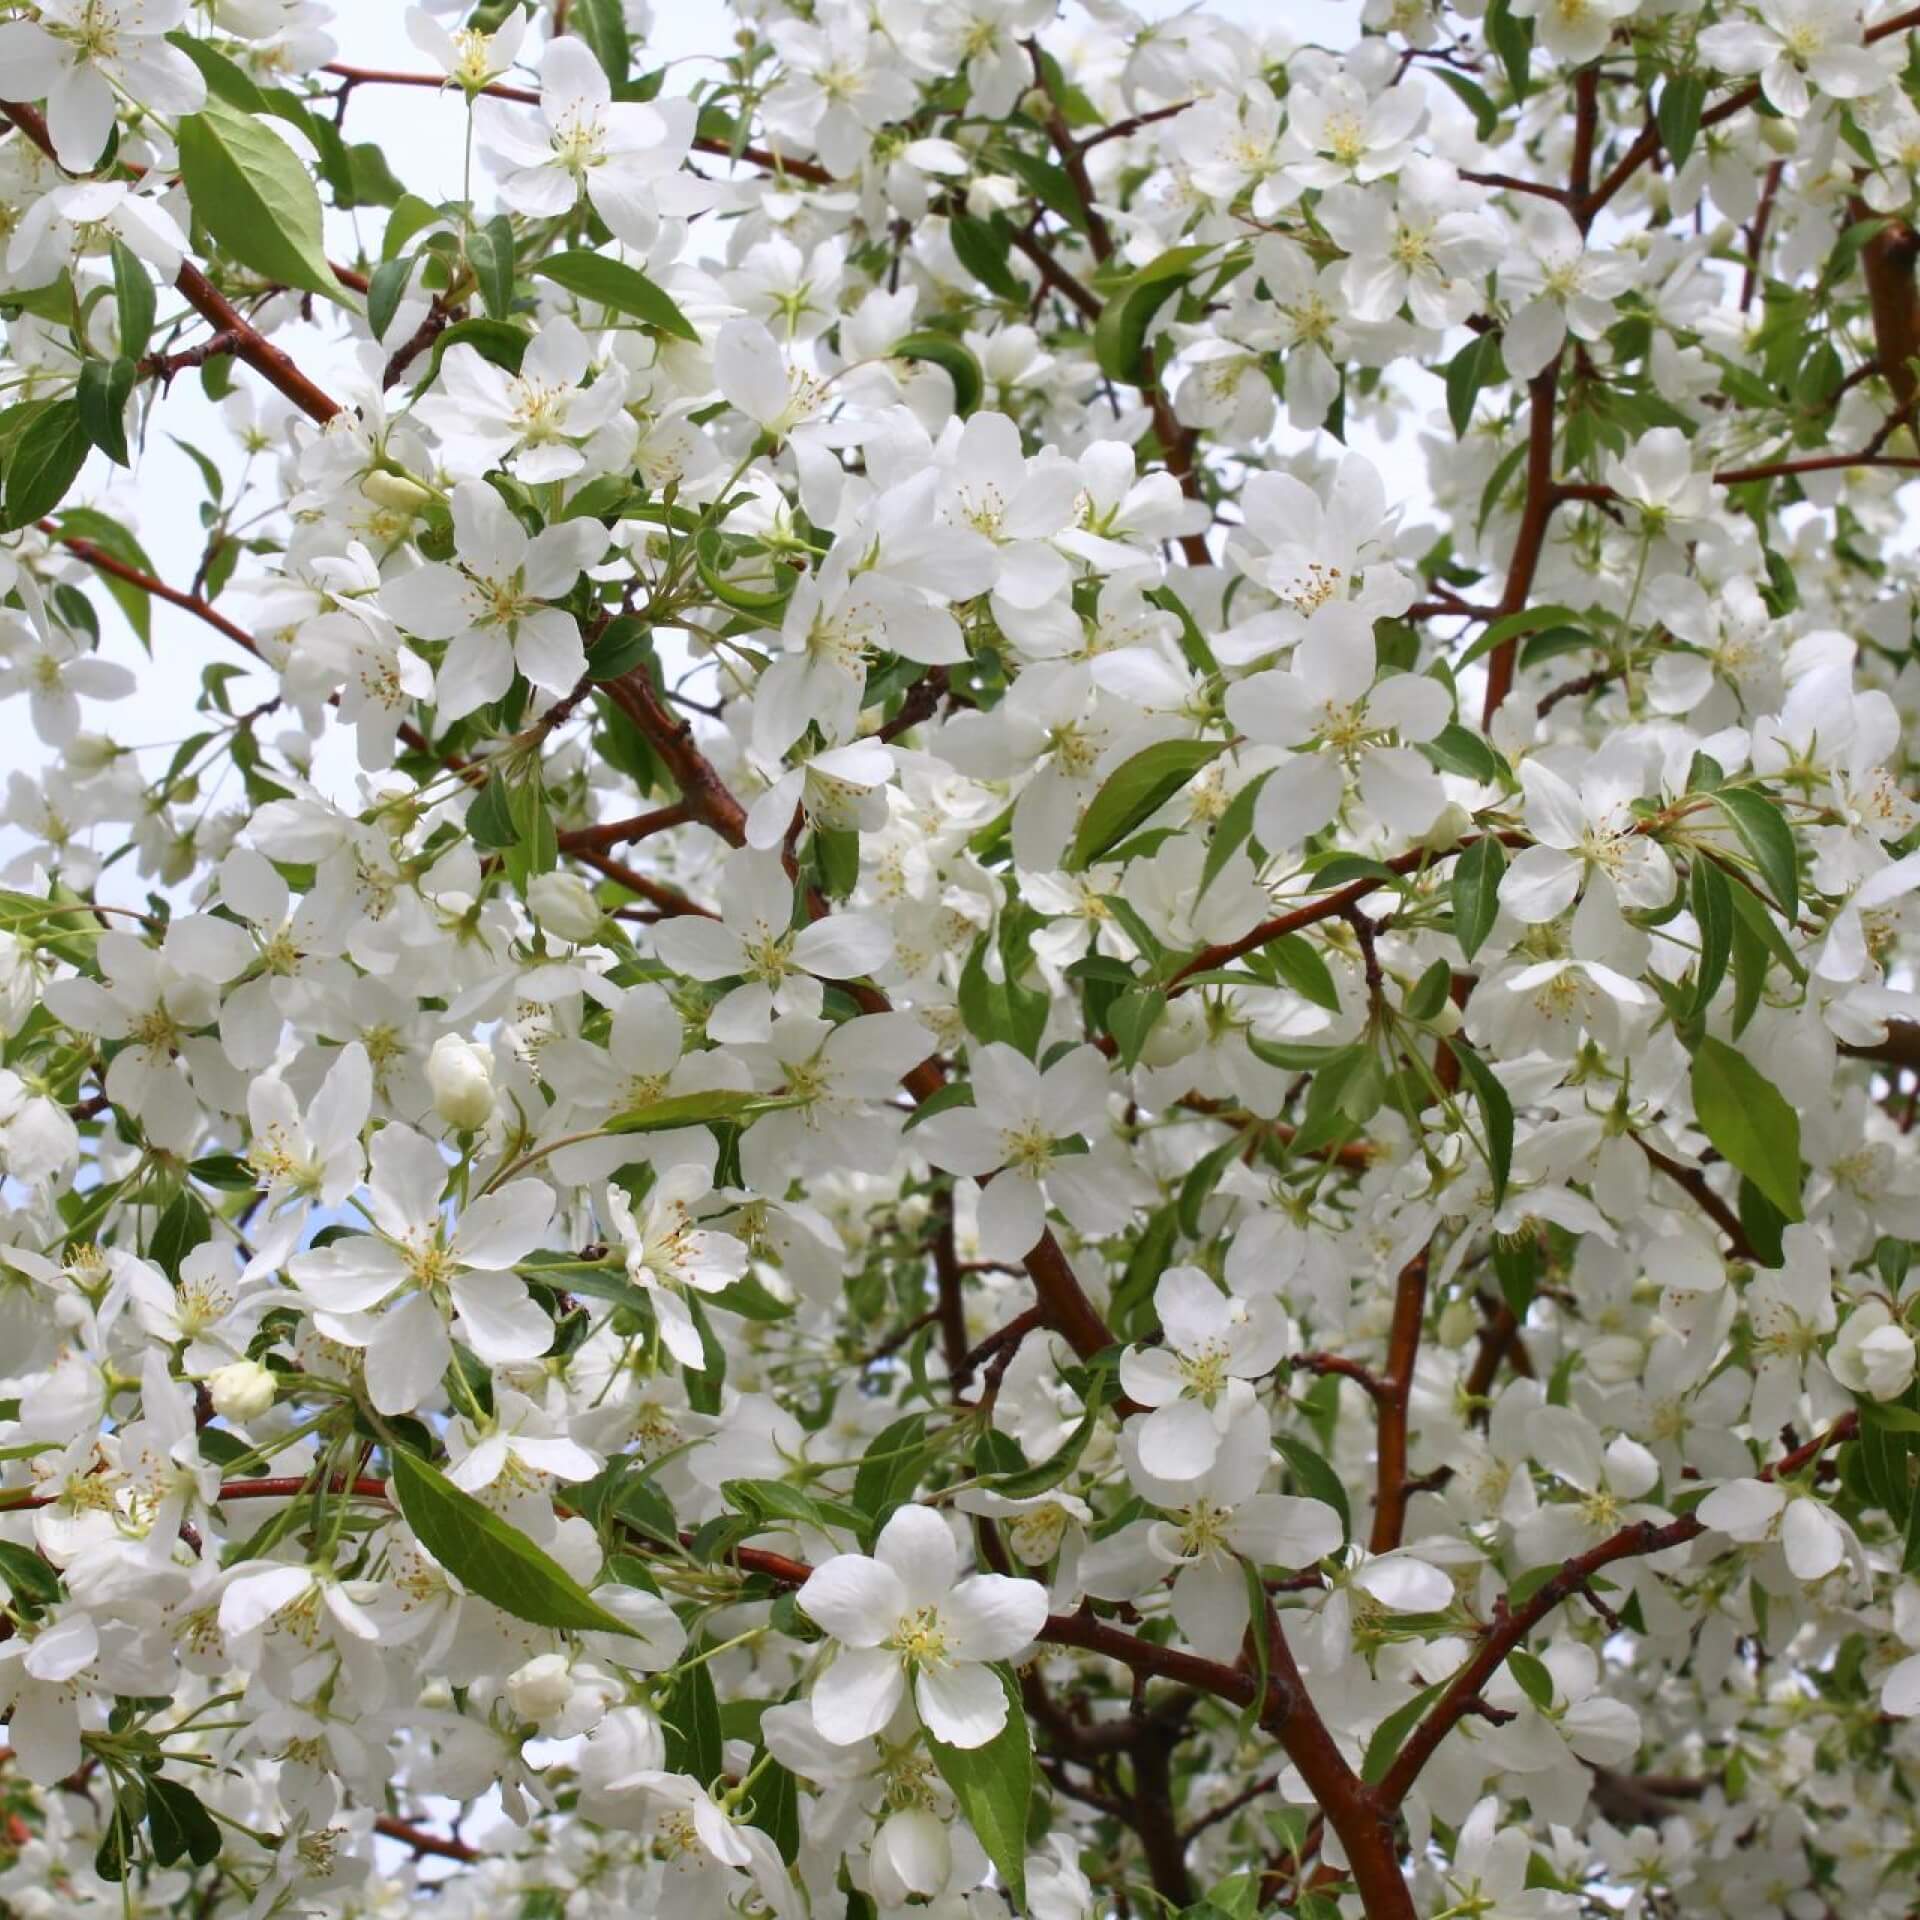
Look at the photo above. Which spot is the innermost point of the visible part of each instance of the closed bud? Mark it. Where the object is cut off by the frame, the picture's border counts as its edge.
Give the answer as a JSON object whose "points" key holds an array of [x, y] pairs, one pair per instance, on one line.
{"points": [[92, 752], [242, 1391], [395, 490], [541, 1688], [563, 903], [912, 1854], [1178, 1032], [1457, 1323], [461, 1076], [1453, 823]]}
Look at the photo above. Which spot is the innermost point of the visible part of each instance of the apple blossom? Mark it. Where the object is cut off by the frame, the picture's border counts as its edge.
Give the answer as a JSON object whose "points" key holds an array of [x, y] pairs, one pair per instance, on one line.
{"points": [[963, 961]]}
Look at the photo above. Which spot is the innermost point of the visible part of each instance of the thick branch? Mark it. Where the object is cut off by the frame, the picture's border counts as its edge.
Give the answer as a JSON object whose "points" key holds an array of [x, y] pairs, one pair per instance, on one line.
{"points": [[1511, 1625]]}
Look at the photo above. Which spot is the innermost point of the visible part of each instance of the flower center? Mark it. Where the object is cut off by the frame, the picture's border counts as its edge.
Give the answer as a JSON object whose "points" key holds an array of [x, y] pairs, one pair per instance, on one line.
{"points": [[920, 1637]]}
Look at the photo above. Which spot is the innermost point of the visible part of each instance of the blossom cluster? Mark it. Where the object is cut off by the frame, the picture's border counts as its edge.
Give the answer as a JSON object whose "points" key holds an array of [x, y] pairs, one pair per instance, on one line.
{"points": [[1030, 1020]]}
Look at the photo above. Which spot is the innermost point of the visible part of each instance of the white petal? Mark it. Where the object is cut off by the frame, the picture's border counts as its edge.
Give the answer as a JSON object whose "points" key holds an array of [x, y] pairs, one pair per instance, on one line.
{"points": [[856, 1696], [855, 1599], [964, 1706], [992, 1617]]}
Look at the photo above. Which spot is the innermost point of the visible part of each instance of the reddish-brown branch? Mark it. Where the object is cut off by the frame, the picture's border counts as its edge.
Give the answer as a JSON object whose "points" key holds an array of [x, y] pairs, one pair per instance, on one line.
{"points": [[1543, 393], [1511, 1625], [1327, 907], [808, 170], [670, 900], [1394, 1401], [1704, 1197], [1338, 1366], [102, 561], [253, 346], [439, 1845], [249, 344], [950, 1284], [619, 833]]}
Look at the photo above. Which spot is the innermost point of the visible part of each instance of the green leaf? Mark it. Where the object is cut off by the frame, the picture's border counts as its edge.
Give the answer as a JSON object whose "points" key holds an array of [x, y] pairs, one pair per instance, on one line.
{"points": [[1763, 1224], [490, 817], [184, 1226], [609, 283], [1391, 1734], [490, 253], [982, 247], [386, 288], [1535, 1681], [954, 357], [1230, 832], [1496, 1111], [602, 24], [690, 1719], [1476, 892], [1486, 116], [410, 215], [1193, 643], [775, 1807], [255, 197], [890, 1468], [992, 1786], [27, 1576], [179, 1825], [774, 1501], [1712, 906], [1512, 40], [1048, 184], [1132, 1018], [111, 537], [1476, 365], [1514, 626], [1749, 1122], [1120, 333], [1055, 1468], [1456, 749], [227, 1171], [1136, 790], [134, 299], [1429, 993], [1678, 114], [495, 340], [1764, 832], [1316, 1479], [104, 389], [1298, 962], [43, 462], [490, 1558], [1751, 912], [688, 1110]]}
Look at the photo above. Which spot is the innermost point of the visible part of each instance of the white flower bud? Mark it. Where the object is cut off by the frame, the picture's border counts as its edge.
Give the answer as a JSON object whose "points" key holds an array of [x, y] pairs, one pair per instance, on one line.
{"points": [[541, 1688], [1458, 1321], [991, 193], [1874, 1353], [1450, 827], [627, 1742], [1178, 1032], [92, 752], [461, 1076], [242, 1391], [563, 903], [395, 490], [912, 1854]]}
